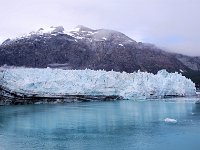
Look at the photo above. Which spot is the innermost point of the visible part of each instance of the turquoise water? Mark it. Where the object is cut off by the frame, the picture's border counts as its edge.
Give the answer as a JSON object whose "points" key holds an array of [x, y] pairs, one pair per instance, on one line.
{"points": [[123, 125]]}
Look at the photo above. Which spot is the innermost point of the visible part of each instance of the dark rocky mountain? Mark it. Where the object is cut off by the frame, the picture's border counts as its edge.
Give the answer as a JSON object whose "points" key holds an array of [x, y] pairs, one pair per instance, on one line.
{"points": [[191, 62], [95, 49]]}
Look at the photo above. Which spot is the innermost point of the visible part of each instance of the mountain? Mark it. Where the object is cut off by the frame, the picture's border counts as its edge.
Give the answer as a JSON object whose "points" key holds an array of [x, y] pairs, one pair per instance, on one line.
{"points": [[94, 49], [191, 62]]}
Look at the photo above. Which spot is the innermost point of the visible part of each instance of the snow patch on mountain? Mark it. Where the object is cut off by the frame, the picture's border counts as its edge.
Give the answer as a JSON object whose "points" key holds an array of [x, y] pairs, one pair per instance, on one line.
{"points": [[43, 31], [89, 82], [51, 30], [80, 33]]}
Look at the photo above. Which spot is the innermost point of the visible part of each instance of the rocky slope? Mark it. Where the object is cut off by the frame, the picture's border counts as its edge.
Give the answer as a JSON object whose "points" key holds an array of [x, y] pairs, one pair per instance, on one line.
{"points": [[94, 49], [191, 62]]}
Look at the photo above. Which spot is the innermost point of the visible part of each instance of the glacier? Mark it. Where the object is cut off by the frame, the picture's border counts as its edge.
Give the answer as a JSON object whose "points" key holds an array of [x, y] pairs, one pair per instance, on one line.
{"points": [[140, 85]]}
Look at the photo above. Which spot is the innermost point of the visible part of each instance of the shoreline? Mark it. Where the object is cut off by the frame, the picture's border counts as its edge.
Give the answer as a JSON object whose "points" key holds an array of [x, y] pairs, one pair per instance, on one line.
{"points": [[13, 98], [9, 97]]}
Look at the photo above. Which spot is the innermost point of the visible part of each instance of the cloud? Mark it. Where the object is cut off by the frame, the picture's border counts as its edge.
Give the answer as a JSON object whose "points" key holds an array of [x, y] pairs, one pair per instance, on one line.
{"points": [[173, 24]]}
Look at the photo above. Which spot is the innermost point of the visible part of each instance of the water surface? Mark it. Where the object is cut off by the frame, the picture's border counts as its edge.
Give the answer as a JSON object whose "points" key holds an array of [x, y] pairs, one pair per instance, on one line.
{"points": [[128, 125]]}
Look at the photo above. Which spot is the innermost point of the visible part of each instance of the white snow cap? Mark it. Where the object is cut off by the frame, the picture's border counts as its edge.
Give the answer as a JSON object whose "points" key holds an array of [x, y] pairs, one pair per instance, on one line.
{"points": [[51, 30], [82, 32], [89, 82]]}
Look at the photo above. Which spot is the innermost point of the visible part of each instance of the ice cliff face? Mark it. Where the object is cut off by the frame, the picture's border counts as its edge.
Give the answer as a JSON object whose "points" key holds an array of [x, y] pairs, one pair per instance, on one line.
{"points": [[88, 82]]}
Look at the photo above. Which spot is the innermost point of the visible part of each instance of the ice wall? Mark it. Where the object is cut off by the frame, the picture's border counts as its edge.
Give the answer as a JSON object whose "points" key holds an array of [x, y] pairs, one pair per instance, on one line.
{"points": [[89, 82]]}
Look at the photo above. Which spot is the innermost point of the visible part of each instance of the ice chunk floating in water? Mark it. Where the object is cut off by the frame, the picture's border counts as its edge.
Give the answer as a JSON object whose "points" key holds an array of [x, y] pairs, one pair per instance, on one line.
{"points": [[169, 120], [89, 82]]}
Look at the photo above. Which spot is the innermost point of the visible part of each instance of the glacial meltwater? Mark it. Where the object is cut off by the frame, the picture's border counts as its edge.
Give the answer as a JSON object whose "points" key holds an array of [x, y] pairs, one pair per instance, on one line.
{"points": [[114, 125]]}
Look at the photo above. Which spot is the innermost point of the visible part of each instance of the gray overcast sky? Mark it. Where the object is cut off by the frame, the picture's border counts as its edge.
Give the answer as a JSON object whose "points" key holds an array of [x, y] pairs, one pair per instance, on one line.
{"points": [[171, 24]]}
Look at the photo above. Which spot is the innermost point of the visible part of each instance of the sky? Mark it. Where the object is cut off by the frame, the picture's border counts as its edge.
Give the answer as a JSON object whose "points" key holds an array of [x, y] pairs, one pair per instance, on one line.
{"points": [[173, 25]]}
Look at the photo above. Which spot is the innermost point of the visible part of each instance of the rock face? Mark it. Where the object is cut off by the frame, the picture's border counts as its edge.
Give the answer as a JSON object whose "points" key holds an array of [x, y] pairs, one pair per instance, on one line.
{"points": [[87, 48], [191, 62]]}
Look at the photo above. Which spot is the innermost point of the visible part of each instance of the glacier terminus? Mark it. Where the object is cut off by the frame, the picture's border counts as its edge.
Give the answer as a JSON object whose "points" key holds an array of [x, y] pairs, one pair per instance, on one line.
{"points": [[31, 83]]}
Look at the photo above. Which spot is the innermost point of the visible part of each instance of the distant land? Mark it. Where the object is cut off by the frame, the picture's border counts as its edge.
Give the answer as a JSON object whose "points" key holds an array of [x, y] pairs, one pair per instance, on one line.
{"points": [[102, 49]]}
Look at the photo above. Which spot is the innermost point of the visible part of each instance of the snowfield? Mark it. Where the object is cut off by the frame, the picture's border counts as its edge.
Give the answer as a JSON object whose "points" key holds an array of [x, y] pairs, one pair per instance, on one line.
{"points": [[89, 82]]}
